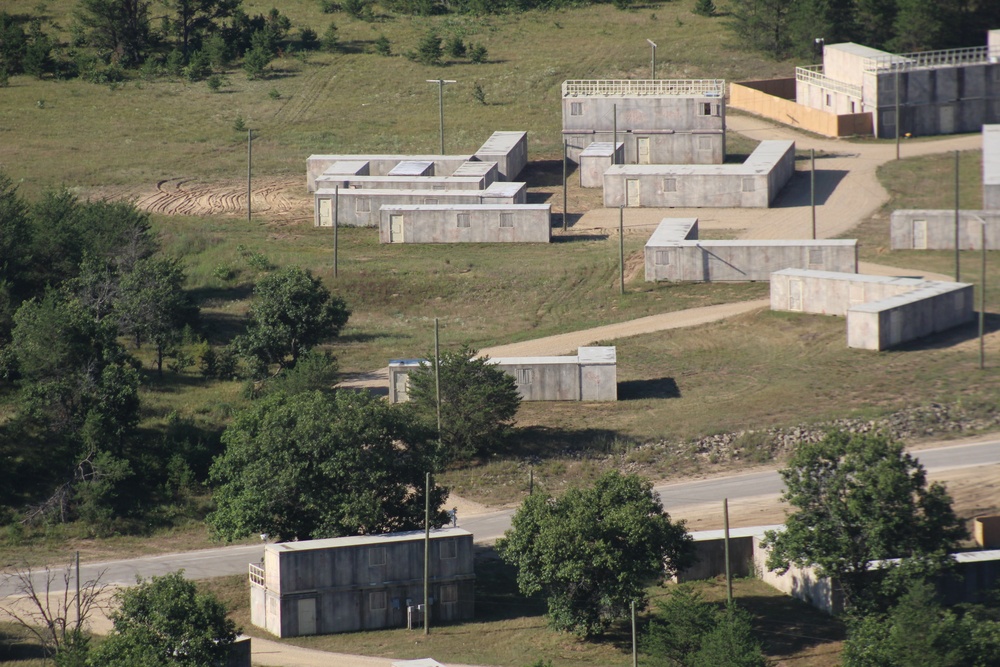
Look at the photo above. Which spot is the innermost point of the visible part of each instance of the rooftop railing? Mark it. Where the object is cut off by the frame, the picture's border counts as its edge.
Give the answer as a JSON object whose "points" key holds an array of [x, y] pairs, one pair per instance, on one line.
{"points": [[905, 62], [644, 87], [813, 74], [257, 575]]}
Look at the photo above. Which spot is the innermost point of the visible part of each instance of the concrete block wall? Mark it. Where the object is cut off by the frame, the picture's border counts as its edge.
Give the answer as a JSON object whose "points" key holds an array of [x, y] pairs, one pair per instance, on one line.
{"points": [[881, 312], [328, 181], [471, 223], [753, 184], [991, 163], [673, 253], [379, 165], [509, 150], [915, 229], [595, 159]]}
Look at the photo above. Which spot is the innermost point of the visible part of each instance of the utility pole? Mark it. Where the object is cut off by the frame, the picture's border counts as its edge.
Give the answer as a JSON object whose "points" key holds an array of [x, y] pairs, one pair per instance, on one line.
{"points": [[621, 246], [958, 272], [635, 653], [982, 301], [565, 149], [729, 574], [249, 164], [614, 138], [427, 554], [79, 621], [336, 225], [812, 187], [652, 66], [895, 67], [437, 376], [440, 83]]}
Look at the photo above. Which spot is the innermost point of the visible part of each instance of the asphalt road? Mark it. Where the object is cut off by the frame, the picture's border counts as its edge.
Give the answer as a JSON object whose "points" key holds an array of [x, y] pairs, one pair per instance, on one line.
{"points": [[488, 527]]}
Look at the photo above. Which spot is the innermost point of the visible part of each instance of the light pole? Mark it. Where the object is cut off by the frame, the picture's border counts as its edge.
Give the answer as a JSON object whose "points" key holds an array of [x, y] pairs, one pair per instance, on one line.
{"points": [[982, 297], [440, 83], [652, 65], [820, 42]]}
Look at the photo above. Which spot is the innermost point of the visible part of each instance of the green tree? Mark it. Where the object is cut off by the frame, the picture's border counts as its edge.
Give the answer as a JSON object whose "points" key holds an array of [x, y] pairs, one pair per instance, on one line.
{"points": [[762, 24], [681, 621], [593, 551], [331, 39], [316, 465], [15, 236], [383, 46], [118, 29], [860, 498], [13, 42], [731, 642], [478, 403], [478, 54], [429, 50], [704, 8], [456, 47], [192, 20], [166, 621], [291, 313], [875, 19]]}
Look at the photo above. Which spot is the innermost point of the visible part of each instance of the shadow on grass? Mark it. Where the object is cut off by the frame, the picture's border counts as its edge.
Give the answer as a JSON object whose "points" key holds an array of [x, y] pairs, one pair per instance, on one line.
{"points": [[366, 337], [546, 173], [956, 336], [497, 597], [571, 238], [16, 647], [787, 626], [543, 442], [204, 296], [221, 328], [170, 382], [634, 390]]}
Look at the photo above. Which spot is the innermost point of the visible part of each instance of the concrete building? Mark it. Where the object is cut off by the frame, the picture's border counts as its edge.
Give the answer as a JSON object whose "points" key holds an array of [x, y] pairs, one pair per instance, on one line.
{"points": [[378, 165], [595, 159], [589, 375], [916, 229], [753, 184], [360, 207], [660, 121], [509, 150], [991, 164], [674, 253], [368, 582], [466, 223], [327, 182], [881, 311]]}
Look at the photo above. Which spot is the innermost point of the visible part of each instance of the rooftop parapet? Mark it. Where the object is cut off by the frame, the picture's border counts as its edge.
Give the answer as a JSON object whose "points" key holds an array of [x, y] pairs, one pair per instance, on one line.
{"points": [[906, 62], [813, 74], [644, 88]]}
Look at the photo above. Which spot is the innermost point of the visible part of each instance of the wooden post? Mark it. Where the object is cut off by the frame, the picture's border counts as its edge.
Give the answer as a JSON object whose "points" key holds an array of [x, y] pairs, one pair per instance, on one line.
{"points": [[249, 163], [635, 653], [982, 302], [437, 376], [336, 225], [729, 574], [621, 246], [614, 137], [565, 148], [958, 273], [895, 66], [427, 554], [812, 187]]}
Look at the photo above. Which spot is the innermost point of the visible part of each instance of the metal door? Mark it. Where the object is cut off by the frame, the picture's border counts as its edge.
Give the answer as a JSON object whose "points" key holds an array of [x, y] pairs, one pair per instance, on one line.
{"points": [[401, 388], [326, 213], [642, 149], [395, 228], [795, 295], [920, 234], [631, 191], [307, 616]]}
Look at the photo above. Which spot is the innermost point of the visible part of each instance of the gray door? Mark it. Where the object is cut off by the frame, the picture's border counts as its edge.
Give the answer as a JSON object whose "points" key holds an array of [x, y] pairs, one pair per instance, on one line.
{"points": [[795, 295], [920, 234], [642, 149], [401, 388], [395, 228], [326, 213], [631, 191], [307, 616]]}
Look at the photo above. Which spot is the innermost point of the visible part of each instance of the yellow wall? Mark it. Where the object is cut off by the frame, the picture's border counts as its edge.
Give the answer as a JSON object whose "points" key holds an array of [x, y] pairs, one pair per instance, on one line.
{"points": [[762, 98]]}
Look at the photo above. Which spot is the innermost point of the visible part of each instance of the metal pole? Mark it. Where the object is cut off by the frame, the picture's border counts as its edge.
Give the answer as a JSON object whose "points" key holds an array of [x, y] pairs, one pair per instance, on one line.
{"points": [[958, 272], [982, 302], [249, 163], [565, 148], [531, 481], [635, 653], [621, 246], [441, 111], [427, 554], [78, 619], [652, 67], [437, 376], [896, 68], [336, 225], [812, 187], [729, 577], [614, 141]]}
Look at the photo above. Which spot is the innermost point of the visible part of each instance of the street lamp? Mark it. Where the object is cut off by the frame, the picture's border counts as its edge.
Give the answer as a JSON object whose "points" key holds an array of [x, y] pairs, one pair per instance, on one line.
{"points": [[820, 42], [652, 66], [440, 83]]}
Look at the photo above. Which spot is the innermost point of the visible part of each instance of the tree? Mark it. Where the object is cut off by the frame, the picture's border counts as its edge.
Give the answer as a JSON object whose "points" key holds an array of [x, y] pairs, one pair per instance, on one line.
{"points": [[704, 8], [15, 235], [13, 42], [118, 29], [593, 551], [762, 24], [860, 498], [456, 47], [429, 50], [478, 54], [191, 20], [291, 312], [316, 465], [731, 642], [478, 403], [167, 621]]}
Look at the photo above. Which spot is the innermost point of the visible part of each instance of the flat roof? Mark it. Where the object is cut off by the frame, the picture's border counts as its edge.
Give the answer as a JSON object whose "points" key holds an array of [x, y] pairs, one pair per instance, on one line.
{"points": [[397, 178], [991, 154], [501, 142], [749, 531], [467, 207], [671, 231], [601, 149], [857, 50], [364, 540], [504, 188], [902, 281], [411, 168], [644, 88], [764, 158], [412, 192], [387, 156], [926, 291], [346, 167], [604, 354], [475, 168], [397, 363]]}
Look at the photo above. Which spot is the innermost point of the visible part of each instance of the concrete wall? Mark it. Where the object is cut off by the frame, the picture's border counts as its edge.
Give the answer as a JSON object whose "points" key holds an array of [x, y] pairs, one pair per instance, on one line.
{"points": [[360, 208], [328, 181], [986, 531], [379, 165], [935, 230], [882, 312], [673, 253], [487, 223], [710, 554], [653, 146], [509, 150], [991, 164], [594, 161], [756, 97], [753, 184], [363, 583]]}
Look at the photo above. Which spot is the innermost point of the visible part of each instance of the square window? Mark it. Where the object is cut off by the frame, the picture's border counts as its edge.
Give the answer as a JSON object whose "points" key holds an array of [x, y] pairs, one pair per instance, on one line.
{"points": [[430, 200], [506, 219], [829, 100], [462, 220], [706, 109], [376, 600], [449, 594], [670, 185], [523, 375], [748, 184], [853, 107], [704, 143], [448, 549], [663, 258], [376, 556], [575, 108], [362, 205]]}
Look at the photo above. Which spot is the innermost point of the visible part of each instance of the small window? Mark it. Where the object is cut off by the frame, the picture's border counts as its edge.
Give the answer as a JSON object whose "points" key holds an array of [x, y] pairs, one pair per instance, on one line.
{"points": [[523, 375], [437, 187], [748, 184], [853, 108], [706, 109], [663, 258], [362, 205], [376, 600], [449, 594], [430, 201], [704, 143], [462, 220], [670, 185], [506, 219], [829, 100], [449, 549], [815, 256], [376, 556], [575, 109]]}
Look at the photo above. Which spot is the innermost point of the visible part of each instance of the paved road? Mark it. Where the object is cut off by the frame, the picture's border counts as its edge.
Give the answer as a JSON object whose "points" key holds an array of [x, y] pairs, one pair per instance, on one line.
{"points": [[488, 527]]}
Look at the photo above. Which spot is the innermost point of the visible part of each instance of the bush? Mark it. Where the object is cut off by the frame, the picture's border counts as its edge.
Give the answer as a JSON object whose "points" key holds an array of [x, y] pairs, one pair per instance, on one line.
{"points": [[478, 54], [198, 66], [331, 41], [456, 47], [382, 46], [704, 8], [215, 83], [239, 125], [175, 63], [429, 51], [217, 51], [308, 39], [478, 94], [359, 9], [328, 6], [255, 62]]}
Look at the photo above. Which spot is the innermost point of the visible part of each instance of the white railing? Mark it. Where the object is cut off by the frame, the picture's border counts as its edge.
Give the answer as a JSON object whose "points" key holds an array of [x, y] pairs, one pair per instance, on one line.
{"points": [[650, 87], [813, 74], [257, 575], [946, 58]]}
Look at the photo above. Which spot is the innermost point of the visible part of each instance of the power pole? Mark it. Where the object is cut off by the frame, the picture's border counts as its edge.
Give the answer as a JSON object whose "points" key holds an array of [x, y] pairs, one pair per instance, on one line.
{"points": [[729, 575], [437, 376], [812, 187], [621, 247], [958, 273], [427, 554], [336, 225], [565, 148], [249, 163]]}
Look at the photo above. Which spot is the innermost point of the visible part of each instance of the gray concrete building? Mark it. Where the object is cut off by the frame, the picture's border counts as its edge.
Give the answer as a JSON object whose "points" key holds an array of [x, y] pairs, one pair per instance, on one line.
{"points": [[329, 181], [753, 184], [915, 229], [674, 253], [379, 165], [882, 312], [509, 150], [940, 92], [660, 121], [368, 582], [466, 223], [595, 159], [991, 165], [589, 375]]}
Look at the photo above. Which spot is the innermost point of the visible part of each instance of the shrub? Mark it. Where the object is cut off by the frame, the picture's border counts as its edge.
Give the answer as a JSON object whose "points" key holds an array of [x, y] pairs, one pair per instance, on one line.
{"points": [[478, 54], [198, 66], [429, 50], [456, 47], [704, 8], [214, 83], [308, 39], [330, 41], [382, 46]]}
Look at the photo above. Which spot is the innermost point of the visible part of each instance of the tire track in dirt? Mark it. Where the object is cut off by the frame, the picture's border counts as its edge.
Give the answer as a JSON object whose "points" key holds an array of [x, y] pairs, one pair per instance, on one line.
{"points": [[279, 197]]}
